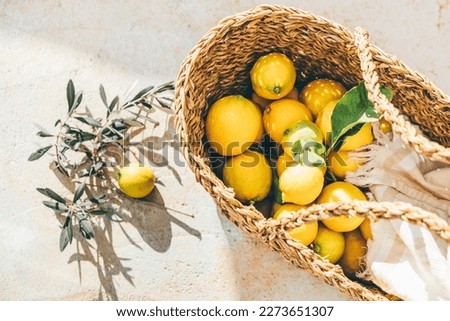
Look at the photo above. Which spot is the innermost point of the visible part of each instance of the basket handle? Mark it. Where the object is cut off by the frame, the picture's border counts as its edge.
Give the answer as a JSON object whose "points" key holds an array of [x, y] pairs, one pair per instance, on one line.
{"points": [[400, 125], [372, 210]]}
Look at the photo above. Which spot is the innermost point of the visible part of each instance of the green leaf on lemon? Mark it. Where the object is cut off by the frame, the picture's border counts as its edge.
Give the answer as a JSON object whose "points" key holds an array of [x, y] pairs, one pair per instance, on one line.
{"points": [[310, 158], [309, 152], [352, 109]]}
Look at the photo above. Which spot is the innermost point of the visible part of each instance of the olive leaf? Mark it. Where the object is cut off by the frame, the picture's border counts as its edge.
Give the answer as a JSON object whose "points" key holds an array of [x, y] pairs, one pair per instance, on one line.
{"points": [[99, 199], [114, 103], [91, 141], [89, 121], [98, 212], [53, 195], [57, 206], [70, 92], [39, 153], [103, 95], [79, 192], [76, 102], [66, 235], [143, 92], [86, 229]]}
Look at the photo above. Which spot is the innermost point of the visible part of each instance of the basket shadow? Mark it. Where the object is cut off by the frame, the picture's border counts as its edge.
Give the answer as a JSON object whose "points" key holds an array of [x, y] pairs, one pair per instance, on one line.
{"points": [[264, 275]]}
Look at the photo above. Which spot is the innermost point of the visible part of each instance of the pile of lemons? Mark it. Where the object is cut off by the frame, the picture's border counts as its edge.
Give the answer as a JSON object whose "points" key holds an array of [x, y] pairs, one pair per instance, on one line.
{"points": [[280, 115]]}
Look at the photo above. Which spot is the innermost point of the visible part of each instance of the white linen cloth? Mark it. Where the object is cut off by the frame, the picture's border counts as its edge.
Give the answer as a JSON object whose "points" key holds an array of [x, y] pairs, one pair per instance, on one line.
{"points": [[405, 259]]}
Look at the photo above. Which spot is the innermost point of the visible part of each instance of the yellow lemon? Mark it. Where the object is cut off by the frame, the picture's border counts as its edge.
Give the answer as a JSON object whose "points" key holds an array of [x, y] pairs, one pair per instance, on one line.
{"points": [[280, 114], [136, 180], [363, 137], [354, 251], [301, 184], [365, 229], [329, 244], [283, 162], [233, 123], [273, 76], [305, 233], [323, 120], [305, 131], [340, 164], [319, 92], [385, 126], [285, 210], [341, 191], [249, 174], [260, 135]]}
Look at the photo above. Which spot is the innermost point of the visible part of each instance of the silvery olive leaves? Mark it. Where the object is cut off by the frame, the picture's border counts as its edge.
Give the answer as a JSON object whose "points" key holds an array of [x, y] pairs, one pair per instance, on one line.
{"points": [[81, 149]]}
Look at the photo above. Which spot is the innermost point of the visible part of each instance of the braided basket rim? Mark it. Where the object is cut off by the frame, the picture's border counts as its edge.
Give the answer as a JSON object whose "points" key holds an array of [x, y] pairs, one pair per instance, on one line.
{"points": [[273, 232]]}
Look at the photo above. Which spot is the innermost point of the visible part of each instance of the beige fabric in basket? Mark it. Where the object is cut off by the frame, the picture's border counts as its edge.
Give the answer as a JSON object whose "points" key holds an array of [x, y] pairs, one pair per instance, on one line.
{"points": [[405, 259]]}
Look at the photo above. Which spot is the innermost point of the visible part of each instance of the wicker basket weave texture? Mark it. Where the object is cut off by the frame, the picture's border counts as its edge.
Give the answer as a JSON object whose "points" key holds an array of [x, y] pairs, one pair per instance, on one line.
{"points": [[219, 65]]}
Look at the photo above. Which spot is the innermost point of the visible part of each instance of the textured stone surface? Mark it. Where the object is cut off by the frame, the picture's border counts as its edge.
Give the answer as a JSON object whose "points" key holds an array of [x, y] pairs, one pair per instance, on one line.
{"points": [[186, 251]]}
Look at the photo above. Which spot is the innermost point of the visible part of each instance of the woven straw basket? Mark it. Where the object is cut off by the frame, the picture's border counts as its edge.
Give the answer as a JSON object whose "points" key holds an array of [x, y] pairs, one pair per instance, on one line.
{"points": [[219, 65]]}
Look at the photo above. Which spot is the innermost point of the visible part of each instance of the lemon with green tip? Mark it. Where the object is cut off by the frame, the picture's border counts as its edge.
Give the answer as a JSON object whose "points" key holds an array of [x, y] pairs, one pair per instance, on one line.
{"points": [[273, 76]]}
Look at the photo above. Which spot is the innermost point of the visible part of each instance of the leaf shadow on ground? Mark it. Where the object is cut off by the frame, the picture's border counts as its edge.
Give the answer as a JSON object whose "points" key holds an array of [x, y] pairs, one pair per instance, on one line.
{"points": [[149, 216]]}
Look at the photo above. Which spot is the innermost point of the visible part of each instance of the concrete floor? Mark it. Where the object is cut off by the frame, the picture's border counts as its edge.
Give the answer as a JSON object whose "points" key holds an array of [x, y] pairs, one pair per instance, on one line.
{"points": [[186, 251]]}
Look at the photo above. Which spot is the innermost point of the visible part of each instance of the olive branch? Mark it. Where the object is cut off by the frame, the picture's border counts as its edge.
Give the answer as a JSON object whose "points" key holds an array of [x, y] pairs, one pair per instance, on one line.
{"points": [[81, 147]]}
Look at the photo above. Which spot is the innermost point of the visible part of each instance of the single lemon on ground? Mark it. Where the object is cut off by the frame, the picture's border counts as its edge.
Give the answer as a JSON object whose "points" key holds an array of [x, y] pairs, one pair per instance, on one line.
{"points": [[340, 163], [323, 120], [273, 76], [280, 114], [283, 162], [249, 174], [366, 230], [329, 244], [363, 137], [319, 92], [345, 192], [301, 184], [305, 233], [136, 180], [233, 123], [303, 131], [354, 251]]}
